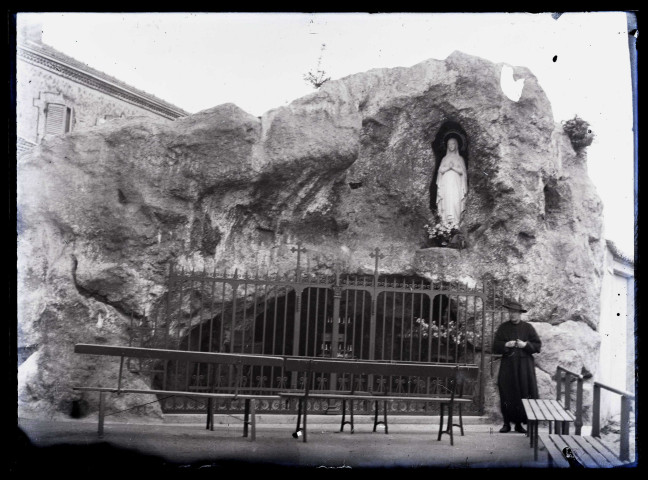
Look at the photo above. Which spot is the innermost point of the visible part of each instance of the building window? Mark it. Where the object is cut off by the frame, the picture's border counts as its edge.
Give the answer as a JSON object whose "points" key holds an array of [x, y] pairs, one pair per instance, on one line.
{"points": [[58, 119]]}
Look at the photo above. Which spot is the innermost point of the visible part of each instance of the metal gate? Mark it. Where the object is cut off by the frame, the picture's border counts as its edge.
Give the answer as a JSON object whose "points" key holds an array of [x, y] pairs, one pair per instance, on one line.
{"points": [[375, 317]]}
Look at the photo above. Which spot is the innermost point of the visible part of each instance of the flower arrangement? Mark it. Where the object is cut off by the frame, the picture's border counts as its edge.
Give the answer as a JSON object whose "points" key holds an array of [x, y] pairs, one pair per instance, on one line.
{"points": [[442, 233], [452, 331]]}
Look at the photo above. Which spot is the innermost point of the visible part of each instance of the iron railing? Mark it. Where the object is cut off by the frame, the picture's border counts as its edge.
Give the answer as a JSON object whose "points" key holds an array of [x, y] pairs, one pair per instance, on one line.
{"points": [[374, 317]]}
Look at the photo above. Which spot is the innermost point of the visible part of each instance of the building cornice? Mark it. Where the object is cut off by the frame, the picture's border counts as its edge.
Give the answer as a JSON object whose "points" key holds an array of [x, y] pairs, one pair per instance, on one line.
{"points": [[58, 67], [618, 255]]}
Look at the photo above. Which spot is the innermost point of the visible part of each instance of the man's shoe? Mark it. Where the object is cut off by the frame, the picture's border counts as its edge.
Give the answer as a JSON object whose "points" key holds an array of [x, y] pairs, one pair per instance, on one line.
{"points": [[519, 428], [505, 429]]}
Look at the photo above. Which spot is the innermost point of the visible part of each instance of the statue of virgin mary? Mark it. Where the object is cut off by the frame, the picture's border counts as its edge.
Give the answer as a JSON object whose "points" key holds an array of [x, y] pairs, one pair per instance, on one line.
{"points": [[452, 184]]}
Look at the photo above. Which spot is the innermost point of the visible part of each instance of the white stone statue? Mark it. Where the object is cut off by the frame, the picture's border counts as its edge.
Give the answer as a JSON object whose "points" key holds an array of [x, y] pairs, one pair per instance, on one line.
{"points": [[452, 184]]}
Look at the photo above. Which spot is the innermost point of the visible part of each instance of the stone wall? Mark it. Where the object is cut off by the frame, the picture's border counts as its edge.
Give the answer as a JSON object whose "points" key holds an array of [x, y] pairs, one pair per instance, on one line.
{"points": [[91, 107]]}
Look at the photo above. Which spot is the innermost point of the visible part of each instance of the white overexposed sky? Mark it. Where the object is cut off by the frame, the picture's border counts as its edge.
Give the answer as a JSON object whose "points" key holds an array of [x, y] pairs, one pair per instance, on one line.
{"points": [[257, 61]]}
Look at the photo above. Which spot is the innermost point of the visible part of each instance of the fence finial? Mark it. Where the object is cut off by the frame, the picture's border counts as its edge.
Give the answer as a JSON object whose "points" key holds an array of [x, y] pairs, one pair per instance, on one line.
{"points": [[299, 251], [377, 255]]}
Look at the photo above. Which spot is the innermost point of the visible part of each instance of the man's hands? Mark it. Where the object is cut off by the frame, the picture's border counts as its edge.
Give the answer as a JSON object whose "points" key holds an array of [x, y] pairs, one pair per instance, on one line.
{"points": [[510, 343], [515, 343]]}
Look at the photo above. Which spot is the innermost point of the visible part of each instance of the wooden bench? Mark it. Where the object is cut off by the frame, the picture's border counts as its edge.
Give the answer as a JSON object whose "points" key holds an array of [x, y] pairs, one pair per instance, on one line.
{"points": [[232, 359], [457, 377], [588, 450], [556, 412]]}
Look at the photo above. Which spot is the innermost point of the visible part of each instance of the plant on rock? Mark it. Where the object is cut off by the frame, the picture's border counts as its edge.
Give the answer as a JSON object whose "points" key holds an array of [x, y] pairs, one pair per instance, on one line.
{"points": [[579, 133]]}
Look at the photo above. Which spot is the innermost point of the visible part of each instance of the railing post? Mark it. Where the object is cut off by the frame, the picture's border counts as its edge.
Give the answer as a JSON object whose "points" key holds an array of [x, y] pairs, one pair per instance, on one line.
{"points": [[567, 391], [596, 411], [625, 428], [335, 328], [296, 332], [578, 423], [482, 389]]}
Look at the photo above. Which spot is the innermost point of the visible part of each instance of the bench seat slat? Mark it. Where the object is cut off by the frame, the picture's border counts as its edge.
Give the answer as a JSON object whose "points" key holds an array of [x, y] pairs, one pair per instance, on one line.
{"points": [[554, 450], [536, 412], [549, 413], [373, 398], [590, 451], [604, 451], [583, 454], [594, 451], [530, 413], [553, 410], [567, 416]]}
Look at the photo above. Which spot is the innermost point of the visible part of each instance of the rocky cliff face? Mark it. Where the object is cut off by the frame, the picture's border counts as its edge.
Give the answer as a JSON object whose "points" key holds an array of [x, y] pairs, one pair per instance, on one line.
{"points": [[344, 170]]}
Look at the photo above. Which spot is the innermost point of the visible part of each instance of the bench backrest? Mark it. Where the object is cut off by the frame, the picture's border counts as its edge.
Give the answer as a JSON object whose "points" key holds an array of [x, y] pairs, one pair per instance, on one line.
{"points": [[458, 375], [235, 359], [179, 355]]}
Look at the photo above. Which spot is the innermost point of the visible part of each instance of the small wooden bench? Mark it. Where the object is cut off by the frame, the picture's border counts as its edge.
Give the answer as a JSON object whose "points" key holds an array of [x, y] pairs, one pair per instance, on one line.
{"points": [[233, 359], [457, 376], [557, 412], [588, 450]]}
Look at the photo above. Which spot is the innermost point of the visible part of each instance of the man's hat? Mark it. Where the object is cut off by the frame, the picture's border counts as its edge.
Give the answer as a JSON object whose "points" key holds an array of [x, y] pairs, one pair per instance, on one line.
{"points": [[513, 305]]}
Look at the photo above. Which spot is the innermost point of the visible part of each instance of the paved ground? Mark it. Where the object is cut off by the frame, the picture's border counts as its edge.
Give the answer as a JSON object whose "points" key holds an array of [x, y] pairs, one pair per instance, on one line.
{"points": [[73, 446]]}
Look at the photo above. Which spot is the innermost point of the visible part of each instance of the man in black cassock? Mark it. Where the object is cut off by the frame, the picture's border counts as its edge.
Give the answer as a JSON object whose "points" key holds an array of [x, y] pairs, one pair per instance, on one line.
{"points": [[516, 341]]}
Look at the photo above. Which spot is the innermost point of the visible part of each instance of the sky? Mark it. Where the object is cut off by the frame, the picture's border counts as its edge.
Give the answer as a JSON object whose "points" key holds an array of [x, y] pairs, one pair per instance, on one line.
{"points": [[257, 61]]}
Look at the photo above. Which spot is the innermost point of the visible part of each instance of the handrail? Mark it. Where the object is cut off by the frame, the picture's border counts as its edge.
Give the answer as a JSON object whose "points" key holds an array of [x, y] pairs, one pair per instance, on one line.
{"points": [[615, 390], [574, 374], [626, 398]]}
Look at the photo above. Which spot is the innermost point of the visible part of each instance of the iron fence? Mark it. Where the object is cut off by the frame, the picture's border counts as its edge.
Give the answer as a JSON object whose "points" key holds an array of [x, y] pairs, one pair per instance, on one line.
{"points": [[373, 317]]}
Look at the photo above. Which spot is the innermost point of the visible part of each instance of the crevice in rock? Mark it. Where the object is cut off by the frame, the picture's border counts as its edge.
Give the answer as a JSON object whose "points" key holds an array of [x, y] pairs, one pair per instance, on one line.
{"points": [[98, 297]]}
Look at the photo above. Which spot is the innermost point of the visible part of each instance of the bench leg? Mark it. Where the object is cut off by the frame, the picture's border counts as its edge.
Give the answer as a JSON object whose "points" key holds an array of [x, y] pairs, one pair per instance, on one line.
{"points": [[461, 421], [535, 445], [344, 422], [440, 420], [450, 426], [376, 412], [210, 414], [102, 407], [299, 413], [246, 417], [252, 420], [305, 417], [385, 417], [532, 427], [375, 415]]}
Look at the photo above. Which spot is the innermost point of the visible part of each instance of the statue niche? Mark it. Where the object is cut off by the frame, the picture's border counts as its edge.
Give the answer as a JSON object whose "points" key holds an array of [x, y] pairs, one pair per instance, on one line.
{"points": [[448, 188]]}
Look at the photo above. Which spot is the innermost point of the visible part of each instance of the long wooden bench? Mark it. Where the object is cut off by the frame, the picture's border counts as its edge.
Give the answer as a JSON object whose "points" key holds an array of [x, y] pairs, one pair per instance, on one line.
{"points": [[588, 450], [558, 413], [233, 359], [457, 376]]}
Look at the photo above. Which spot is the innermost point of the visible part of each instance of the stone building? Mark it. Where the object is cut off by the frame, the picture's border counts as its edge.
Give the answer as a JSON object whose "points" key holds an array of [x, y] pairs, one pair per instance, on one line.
{"points": [[57, 94], [617, 329]]}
